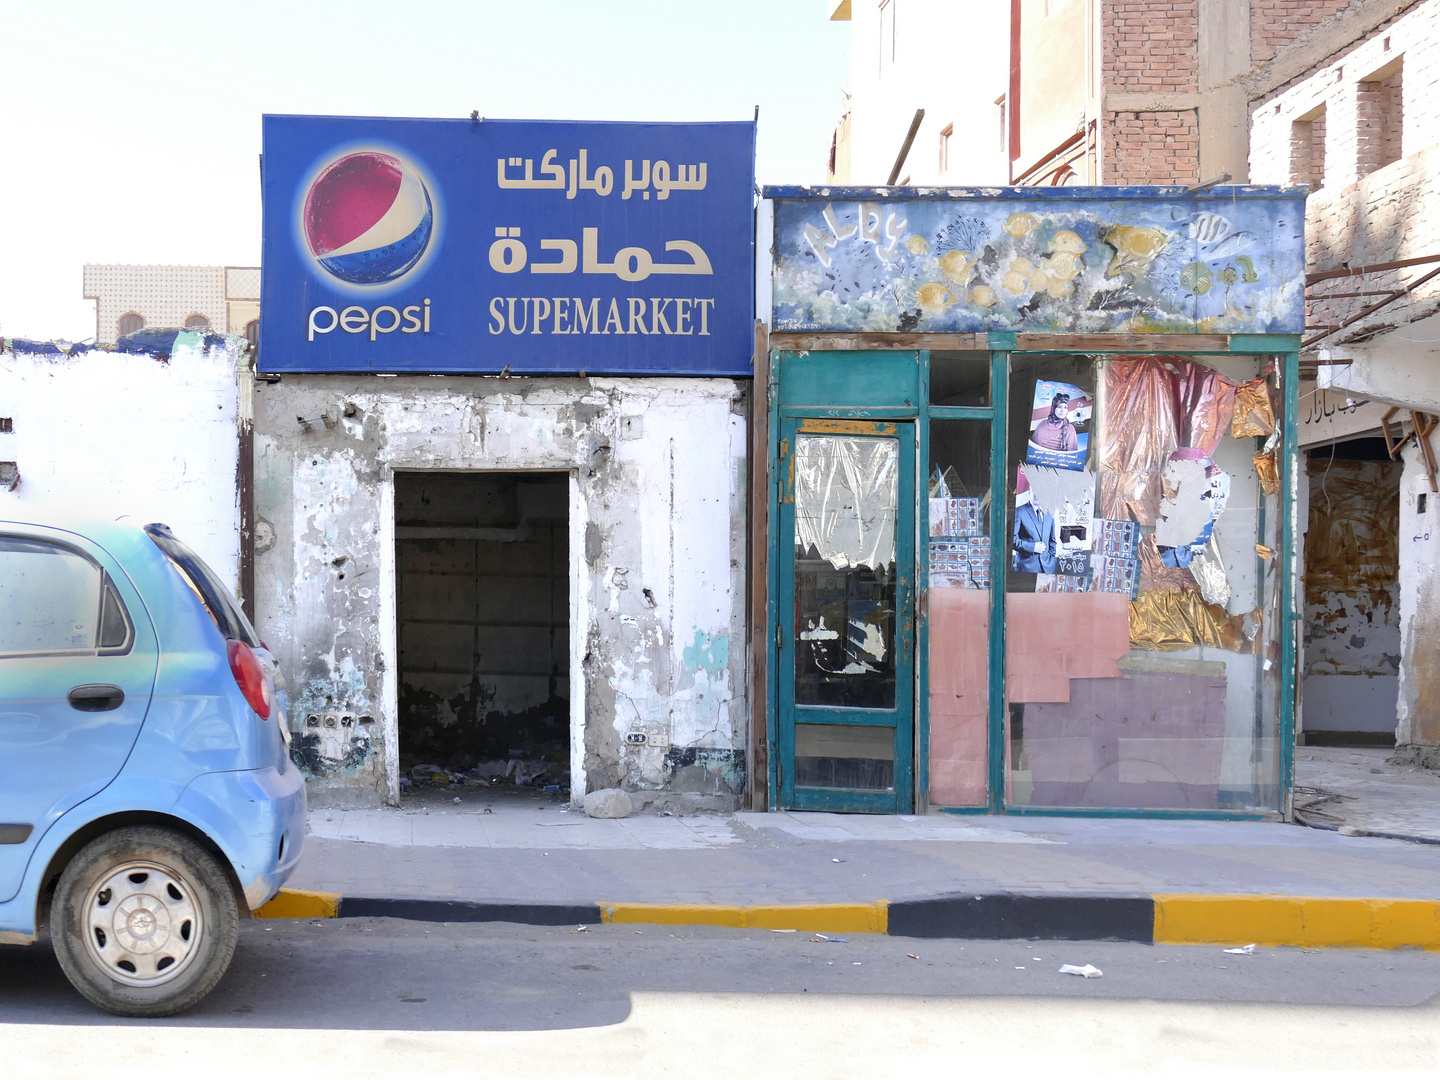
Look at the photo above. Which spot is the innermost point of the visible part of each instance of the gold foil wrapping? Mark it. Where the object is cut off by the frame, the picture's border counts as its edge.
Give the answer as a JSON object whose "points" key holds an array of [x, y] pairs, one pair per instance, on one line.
{"points": [[1269, 470], [1254, 413], [1164, 620], [1137, 436]]}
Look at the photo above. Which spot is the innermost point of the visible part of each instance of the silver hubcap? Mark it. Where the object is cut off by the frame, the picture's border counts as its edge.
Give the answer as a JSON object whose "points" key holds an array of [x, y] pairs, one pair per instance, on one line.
{"points": [[142, 924]]}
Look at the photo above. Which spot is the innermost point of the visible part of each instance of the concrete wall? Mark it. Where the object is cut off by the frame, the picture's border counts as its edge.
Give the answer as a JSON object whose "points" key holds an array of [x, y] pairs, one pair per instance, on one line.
{"points": [[102, 434], [949, 59], [1352, 616], [657, 562], [1418, 710]]}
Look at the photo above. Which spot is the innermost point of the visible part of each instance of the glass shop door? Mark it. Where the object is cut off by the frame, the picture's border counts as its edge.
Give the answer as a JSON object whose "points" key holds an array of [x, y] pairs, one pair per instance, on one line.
{"points": [[845, 651]]}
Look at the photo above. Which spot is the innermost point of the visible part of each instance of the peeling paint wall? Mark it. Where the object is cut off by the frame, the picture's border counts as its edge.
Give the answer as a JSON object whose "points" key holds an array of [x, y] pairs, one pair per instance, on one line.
{"points": [[657, 504], [101, 434], [1352, 615], [1419, 705]]}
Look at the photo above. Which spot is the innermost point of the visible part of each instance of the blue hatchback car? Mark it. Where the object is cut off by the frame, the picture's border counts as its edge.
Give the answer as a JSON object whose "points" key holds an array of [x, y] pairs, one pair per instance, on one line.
{"points": [[147, 797]]}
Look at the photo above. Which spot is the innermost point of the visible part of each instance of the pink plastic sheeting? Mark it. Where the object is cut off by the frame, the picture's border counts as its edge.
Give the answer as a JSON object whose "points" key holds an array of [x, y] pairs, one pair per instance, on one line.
{"points": [[959, 696], [1051, 638], [1147, 740]]}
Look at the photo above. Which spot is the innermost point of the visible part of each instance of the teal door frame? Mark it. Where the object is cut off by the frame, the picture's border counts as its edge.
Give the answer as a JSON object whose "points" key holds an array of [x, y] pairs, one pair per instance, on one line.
{"points": [[895, 385], [901, 719]]}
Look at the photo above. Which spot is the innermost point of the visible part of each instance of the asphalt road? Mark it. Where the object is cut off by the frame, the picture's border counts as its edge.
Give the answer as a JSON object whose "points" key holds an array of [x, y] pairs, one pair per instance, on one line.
{"points": [[361, 997]]}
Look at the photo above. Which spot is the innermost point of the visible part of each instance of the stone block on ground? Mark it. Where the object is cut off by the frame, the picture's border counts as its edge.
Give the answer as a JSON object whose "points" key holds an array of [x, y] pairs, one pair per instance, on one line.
{"points": [[608, 803]]}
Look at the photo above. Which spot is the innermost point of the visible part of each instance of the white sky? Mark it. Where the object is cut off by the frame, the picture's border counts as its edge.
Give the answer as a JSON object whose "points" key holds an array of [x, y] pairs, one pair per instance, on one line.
{"points": [[132, 130]]}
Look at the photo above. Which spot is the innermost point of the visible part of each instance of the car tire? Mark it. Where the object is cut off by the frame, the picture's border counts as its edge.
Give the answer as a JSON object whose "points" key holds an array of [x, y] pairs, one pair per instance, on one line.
{"points": [[144, 922]]}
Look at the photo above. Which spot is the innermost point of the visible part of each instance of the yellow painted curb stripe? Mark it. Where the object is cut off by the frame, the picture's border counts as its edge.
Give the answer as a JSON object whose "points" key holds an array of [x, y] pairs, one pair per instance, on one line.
{"points": [[1310, 921], [819, 918], [300, 904]]}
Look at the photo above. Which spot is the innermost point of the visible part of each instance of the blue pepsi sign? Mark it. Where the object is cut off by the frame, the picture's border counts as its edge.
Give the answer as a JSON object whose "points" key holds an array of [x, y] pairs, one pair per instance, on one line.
{"points": [[480, 246]]}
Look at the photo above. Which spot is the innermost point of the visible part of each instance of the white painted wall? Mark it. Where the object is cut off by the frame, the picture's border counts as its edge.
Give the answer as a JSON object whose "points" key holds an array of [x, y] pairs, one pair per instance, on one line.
{"points": [[104, 434], [952, 60]]}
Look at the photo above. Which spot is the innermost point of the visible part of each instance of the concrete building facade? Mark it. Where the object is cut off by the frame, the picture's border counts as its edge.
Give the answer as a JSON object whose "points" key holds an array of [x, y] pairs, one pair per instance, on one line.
{"points": [[1339, 95], [470, 570], [129, 298]]}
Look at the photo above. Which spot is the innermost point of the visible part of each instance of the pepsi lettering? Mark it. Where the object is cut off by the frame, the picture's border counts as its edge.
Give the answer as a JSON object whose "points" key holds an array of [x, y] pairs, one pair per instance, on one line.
{"points": [[414, 319]]}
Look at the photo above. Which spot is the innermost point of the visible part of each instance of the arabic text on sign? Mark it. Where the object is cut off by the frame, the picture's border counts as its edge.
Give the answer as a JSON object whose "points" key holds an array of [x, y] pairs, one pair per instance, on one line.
{"points": [[554, 176], [509, 255]]}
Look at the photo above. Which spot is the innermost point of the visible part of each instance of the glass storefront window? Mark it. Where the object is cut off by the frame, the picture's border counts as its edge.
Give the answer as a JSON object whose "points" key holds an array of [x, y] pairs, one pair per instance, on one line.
{"points": [[960, 378], [1142, 627], [846, 499], [958, 605]]}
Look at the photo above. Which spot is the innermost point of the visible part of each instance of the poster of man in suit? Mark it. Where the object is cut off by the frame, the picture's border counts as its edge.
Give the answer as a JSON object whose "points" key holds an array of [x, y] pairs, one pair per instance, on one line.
{"points": [[1059, 423], [1035, 540]]}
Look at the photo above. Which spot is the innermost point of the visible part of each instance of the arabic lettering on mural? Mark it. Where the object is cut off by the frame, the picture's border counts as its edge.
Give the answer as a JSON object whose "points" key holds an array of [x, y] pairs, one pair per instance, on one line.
{"points": [[509, 255], [554, 176]]}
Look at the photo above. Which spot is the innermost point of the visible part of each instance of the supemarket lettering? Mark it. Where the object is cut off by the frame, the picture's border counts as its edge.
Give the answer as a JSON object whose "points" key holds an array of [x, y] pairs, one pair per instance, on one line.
{"points": [[414, 319], [682, 316]]}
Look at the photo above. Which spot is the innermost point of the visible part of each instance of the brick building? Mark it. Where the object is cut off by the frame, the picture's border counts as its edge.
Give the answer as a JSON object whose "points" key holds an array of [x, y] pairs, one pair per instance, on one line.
{"points": [[1094, 91], [1340, 95], [1358, 119]]}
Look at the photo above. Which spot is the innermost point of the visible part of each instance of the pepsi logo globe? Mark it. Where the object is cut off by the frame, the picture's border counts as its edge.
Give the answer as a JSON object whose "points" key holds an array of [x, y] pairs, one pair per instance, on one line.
{"points": [[368, 218]]}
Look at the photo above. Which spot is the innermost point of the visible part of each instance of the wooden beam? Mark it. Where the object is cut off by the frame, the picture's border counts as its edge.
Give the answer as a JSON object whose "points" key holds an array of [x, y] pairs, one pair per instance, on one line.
{"points": [[1142, 343], [829, 341], [848, 342]]}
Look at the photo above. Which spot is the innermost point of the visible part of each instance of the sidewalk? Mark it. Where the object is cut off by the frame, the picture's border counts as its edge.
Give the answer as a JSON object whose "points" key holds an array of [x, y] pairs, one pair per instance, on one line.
{"points": [[524, 859]]}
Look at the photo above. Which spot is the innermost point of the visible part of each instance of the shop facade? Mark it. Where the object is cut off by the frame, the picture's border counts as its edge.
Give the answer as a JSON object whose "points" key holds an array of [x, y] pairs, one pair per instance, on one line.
{"points": [[1031, 500], [501, 456]]}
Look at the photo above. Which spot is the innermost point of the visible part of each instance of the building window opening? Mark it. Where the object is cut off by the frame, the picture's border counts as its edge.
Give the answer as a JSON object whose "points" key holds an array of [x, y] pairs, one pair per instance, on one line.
{"points": [[197, 322], [130, 323], [1350, 678], [1379, 116], [483, 607], [1307, 150], [252, 332]]}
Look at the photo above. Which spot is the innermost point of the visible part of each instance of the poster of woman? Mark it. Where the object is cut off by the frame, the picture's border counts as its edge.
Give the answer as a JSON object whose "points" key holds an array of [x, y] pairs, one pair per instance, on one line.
{"points": [[1059, 422]]}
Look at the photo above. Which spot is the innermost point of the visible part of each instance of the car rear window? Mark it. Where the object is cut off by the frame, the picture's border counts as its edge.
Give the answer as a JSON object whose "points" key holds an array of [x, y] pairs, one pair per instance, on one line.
{"points": [[217, 599]]}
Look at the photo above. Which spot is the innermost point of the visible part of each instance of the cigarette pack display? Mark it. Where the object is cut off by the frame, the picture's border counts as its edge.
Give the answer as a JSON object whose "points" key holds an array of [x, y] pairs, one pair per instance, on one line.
{"points": [[1118, 576], [1056, 583], [1117, 539], [955, 517]]}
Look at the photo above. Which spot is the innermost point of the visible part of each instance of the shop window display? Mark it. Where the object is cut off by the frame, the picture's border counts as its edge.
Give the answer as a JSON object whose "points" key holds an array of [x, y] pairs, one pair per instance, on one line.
{"points": [[1141, 586]]}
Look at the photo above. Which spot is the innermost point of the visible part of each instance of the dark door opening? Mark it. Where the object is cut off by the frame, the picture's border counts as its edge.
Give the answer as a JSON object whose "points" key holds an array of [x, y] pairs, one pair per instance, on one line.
{"points": [[483, 606], [1351, 675]]}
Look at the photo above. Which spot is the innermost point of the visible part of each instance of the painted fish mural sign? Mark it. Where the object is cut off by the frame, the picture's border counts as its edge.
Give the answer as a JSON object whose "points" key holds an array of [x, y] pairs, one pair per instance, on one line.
{"points": [[1071, 260]]}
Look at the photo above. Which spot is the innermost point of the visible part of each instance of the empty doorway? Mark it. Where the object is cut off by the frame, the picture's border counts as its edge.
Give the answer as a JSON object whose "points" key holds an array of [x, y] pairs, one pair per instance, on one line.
{"points": [[483, 613]]}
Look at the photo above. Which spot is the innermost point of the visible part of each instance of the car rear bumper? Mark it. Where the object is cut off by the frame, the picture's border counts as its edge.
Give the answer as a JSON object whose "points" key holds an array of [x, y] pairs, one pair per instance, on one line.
{"points": [[257, 817]]}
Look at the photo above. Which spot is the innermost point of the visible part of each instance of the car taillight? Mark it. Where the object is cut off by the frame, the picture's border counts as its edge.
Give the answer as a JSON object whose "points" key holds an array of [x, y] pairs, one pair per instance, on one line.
{"points": [[250, 677]]}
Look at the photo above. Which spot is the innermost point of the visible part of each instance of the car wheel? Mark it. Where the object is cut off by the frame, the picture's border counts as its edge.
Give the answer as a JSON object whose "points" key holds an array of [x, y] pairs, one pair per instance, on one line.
{"points": [[144, 922]]}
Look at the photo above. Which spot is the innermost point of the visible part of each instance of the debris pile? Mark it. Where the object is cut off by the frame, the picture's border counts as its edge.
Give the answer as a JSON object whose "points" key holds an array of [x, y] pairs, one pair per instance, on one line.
{"points": [[516, 771]]}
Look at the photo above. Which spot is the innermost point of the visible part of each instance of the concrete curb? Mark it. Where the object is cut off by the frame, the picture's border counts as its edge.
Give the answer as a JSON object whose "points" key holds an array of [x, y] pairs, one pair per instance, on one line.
{"points": [[1162, 918]]}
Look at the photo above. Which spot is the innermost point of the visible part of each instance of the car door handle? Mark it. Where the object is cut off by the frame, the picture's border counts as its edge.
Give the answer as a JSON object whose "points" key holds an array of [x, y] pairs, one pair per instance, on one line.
{"points": [[97, 697]]}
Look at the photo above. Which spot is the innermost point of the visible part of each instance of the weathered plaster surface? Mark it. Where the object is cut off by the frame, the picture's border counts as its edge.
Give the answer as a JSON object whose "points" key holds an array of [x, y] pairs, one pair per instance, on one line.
{"points": [[103, 434], [1418, 710], [657, 511]]}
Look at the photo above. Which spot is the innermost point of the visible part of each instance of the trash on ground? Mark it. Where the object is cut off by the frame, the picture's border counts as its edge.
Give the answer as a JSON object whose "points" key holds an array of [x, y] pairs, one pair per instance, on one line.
{"points": [[912, 956], [837, 860], [581, 930], [457, 798], [1089, 971], [774, 931], [832, 940], [1244, 950]]}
